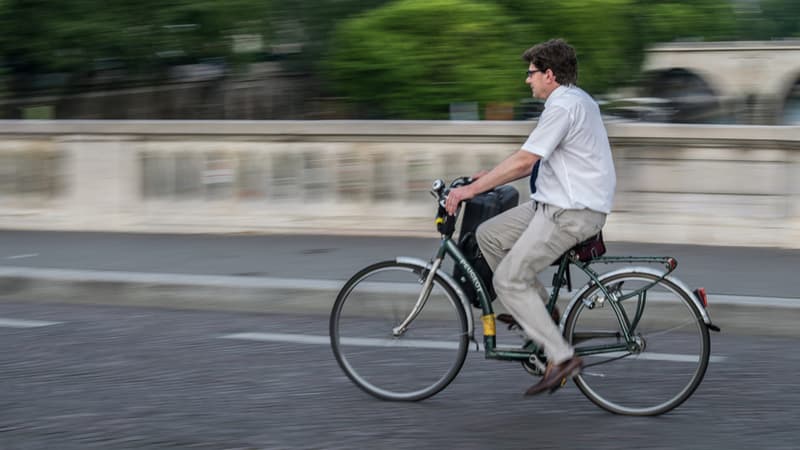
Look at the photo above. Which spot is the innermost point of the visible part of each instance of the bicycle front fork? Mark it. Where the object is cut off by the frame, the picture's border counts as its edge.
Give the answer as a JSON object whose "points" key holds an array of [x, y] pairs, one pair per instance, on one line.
{"points": [[427, 285]]}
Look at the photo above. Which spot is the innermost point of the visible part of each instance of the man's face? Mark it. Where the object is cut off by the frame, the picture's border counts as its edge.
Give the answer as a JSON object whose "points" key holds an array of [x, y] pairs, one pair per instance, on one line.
{"points": [[540, 82]]}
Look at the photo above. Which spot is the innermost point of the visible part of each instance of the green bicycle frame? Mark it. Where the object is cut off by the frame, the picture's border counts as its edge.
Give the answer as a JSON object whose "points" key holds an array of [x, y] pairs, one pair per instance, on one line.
{"points": [[626, 325]]}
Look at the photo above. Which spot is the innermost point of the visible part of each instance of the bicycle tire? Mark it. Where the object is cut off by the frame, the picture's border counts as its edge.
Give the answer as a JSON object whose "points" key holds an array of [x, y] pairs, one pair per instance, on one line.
{"points": [[381, 364], [622, 384]]}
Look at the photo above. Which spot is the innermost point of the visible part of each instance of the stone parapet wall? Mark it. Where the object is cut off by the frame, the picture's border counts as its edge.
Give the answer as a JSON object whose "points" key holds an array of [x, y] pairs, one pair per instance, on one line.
{"points": [[721, 185]]}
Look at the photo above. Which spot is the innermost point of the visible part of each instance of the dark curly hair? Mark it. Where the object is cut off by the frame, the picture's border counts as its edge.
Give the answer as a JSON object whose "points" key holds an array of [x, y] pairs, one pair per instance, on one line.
{"points": [[556, 55]]}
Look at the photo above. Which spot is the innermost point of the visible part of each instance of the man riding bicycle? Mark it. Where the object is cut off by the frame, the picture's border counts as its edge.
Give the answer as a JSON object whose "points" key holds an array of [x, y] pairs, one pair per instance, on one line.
{"points": [[568, 157]]}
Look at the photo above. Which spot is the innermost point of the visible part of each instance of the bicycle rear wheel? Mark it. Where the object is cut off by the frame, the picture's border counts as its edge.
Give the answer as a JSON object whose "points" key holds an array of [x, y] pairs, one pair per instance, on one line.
{"points": [[421, 361], [673, 340]]}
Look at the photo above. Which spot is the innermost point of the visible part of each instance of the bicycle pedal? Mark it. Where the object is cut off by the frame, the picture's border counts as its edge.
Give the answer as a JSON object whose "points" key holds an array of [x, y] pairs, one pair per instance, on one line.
{"points": [[537, 363]]}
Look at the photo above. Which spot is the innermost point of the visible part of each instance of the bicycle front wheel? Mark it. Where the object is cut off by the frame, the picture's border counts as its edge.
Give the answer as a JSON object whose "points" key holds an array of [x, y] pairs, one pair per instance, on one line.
{"points": [[672, 340], [415, 364]]}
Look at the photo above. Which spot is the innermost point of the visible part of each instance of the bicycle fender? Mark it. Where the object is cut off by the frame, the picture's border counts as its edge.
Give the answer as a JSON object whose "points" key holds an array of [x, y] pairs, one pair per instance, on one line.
{"points": [[639, 269], [451, 283]]}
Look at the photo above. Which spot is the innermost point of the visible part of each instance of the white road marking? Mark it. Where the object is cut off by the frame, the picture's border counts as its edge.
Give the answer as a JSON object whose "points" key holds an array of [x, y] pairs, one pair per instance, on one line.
{"points": [[424, 344], [26, 255], [325, 340], [115, 276], [16, 323]]}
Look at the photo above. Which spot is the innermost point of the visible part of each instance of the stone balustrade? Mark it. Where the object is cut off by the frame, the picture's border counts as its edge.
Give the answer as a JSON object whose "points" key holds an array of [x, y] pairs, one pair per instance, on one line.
{"points": [[698, 184]]}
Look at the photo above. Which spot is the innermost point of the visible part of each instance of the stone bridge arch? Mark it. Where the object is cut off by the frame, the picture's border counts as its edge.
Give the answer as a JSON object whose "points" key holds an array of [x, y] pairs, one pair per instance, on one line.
{"points": [[756, 78], [690, 95]]}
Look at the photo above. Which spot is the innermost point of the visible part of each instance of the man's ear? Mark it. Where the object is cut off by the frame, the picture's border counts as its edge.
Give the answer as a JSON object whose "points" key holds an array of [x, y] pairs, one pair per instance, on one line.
{"points": [[552, 75]]}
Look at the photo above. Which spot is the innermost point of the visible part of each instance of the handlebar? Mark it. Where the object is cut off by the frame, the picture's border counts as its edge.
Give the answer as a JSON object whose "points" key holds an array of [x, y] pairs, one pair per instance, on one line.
{"points": [[439, 191], [446, 223]]}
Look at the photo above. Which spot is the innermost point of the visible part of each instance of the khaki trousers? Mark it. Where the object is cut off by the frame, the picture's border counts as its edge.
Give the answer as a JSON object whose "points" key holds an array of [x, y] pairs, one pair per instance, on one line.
{"points": [[519, 244]]}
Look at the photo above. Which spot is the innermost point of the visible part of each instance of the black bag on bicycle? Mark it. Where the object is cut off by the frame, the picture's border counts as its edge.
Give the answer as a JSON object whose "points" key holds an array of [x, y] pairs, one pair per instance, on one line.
{"points": [[476, 211]]}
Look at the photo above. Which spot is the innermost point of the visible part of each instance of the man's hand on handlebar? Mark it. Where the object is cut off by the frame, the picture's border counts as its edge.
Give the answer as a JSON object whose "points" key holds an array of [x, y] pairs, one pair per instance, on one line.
{"points": [[456, 196], [462, 193]]}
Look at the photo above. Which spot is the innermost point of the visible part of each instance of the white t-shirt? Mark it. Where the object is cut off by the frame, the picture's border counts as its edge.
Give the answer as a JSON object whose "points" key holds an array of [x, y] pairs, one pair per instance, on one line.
{"points": [[577, 169]]}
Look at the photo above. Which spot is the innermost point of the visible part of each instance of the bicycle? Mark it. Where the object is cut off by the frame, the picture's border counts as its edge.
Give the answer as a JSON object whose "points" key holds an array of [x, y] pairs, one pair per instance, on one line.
{"points": [[643, 334]]}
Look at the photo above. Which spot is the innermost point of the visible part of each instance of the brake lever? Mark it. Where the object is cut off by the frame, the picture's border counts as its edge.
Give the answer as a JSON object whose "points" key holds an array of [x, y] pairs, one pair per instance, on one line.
{"points": [[461, 181], [443, 198], [436, 188]]}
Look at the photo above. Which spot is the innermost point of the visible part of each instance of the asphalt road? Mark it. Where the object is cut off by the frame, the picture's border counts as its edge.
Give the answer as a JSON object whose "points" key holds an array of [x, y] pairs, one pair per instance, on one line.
{"points": [[106, 377]]}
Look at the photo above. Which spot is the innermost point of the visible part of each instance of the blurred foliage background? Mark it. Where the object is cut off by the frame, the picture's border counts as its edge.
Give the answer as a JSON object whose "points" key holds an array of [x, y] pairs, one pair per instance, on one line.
{"points": [[395, 59]]}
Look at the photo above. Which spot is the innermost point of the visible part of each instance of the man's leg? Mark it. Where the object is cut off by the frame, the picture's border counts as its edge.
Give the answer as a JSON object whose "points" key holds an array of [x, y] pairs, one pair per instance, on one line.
{"points": [[552, 232], [497, 235]]}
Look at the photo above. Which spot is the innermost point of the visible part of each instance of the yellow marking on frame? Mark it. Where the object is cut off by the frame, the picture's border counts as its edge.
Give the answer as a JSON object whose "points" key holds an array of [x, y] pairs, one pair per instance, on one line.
{"points": [[488, 325]]}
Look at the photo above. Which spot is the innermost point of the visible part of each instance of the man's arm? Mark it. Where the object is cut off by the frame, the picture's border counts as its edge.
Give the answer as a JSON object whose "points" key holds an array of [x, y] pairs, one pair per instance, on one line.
{"points": [[516, 166]]}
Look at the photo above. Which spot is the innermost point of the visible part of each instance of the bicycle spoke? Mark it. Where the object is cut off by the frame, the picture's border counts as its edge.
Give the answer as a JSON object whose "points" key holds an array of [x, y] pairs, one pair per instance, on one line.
{"points": [[675, 328], [607, 361]]}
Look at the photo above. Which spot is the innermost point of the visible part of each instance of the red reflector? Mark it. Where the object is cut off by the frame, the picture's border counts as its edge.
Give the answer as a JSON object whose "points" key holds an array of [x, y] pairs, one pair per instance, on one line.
{"points": [[672, 263], [701, 294]]}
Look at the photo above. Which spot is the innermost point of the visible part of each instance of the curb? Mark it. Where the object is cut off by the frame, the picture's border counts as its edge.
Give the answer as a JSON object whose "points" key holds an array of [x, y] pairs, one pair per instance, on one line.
{"points": [[176, 291], [743, 314]]}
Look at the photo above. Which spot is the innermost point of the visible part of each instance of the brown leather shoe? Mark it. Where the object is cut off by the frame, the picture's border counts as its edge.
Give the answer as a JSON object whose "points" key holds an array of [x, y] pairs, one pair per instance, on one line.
{"points": [[555, 376]]}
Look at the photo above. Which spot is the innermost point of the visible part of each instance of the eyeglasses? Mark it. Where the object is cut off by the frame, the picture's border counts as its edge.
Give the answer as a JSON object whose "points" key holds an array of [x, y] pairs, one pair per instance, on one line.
{"points": [[531, 72]]}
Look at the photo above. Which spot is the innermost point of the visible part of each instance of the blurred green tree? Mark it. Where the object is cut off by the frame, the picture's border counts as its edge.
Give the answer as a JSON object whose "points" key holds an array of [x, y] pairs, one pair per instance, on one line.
{"points": [[413, 57], [769, 19], [405, 58], [696, 20], [78, 36], [410, 59], [603, 32], [311, 23]]}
